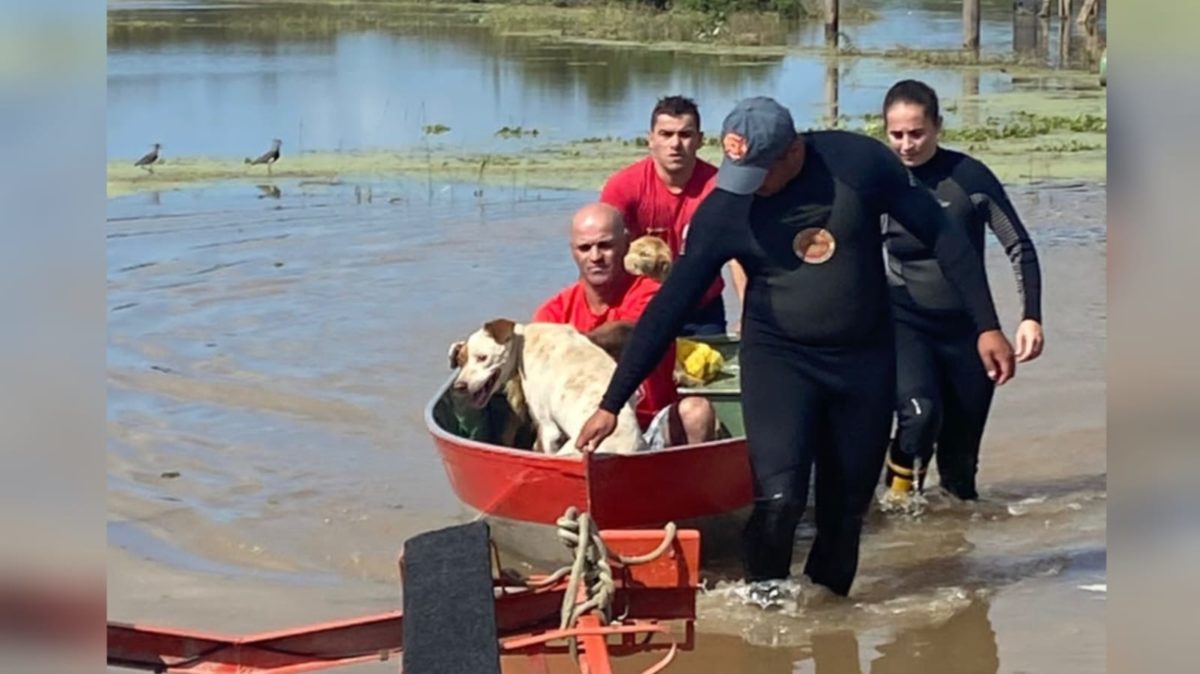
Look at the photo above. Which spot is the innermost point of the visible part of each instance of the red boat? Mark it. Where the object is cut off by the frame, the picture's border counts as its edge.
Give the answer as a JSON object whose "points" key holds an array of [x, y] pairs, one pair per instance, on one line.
{"points": [[686, 484]]}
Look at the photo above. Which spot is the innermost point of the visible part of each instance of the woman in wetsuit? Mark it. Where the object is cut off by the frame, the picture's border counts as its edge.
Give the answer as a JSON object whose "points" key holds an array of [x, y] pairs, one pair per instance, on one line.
{"points": [[801, 213], [943, 394]]}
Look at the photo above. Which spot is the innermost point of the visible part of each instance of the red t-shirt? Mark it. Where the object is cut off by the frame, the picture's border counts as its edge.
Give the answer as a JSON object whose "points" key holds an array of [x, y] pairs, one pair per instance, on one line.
{"points": [[650, 208], [570, 306]]}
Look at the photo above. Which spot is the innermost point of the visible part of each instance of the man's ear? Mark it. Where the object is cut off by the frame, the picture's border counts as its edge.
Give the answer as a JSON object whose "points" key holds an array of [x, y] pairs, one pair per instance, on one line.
{"points": [[500, 330], [458, 354]]}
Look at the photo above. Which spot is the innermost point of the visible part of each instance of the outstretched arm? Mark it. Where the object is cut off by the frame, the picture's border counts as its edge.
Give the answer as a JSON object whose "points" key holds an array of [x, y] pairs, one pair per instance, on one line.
{"points": [[709, 247]]}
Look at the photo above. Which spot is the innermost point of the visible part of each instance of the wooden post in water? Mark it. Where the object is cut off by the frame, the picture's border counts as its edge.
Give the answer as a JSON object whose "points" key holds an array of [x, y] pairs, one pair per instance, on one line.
{"points": [[969, 105], [1088, 12], [971, 18], [831, 23], [1064, 42], [1025, 29], [831, 92]]}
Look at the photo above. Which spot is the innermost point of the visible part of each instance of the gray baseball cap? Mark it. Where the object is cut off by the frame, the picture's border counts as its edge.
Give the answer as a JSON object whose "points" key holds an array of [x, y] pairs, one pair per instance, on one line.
{"points": [[753, 137]]}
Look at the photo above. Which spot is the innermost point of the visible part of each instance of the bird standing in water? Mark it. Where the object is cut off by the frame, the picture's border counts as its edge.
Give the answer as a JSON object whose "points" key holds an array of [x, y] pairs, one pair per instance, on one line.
{"points": [[269, 157], [145, 163]]}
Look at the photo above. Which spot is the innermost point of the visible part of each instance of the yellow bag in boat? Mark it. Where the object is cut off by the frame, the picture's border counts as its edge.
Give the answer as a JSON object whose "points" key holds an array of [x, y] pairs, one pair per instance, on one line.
{"points": [[698, 360]]}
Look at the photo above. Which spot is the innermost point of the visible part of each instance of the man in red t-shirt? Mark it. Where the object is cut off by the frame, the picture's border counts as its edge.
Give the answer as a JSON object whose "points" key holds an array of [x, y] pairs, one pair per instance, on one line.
{"points": [[657, 196], [606, 292]]}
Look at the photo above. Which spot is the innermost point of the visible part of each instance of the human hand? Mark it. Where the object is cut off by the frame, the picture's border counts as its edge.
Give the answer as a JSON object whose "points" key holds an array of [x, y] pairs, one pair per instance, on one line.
{"points": [[997, 355], [1029, 340], [598, 427]]}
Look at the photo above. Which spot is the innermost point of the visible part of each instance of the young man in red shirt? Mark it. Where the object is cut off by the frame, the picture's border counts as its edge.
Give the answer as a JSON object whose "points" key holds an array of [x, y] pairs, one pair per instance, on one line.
{"points": [[606, 292], [657, 196]]}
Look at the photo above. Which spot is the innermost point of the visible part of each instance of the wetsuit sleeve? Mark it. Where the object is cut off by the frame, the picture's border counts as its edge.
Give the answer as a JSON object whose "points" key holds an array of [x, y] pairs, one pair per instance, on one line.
{"points": [[914, 205], [710, 245], [993, 204]]}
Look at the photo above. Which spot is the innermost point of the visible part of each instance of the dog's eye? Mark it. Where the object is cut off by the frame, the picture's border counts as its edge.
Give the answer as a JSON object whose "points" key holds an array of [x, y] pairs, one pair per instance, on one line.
{"points": [[479, 358]]}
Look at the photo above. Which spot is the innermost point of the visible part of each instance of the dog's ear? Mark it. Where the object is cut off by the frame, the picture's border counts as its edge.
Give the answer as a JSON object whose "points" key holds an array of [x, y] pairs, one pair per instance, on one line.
{"points": [[458, 354], [500, 330]]}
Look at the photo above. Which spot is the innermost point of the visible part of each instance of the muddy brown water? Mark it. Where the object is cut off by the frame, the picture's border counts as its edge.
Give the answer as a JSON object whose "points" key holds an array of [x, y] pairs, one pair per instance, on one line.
{"points": [[269, 363]]}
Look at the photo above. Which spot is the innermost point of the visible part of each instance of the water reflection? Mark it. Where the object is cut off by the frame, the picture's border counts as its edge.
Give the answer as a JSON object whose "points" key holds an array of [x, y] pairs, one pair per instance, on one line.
{"points": [[218, 81], [831, 91], [963, 644], [1034, 37]]}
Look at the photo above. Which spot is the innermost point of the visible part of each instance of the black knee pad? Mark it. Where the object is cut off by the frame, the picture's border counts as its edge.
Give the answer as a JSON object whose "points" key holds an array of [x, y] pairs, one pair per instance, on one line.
{"points": [[919, 422], [771, 532]]}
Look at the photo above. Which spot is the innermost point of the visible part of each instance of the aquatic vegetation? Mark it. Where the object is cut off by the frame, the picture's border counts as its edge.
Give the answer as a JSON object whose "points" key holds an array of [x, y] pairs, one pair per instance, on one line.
{"points": [[728, 22], [285, 18], [516, 132], [1024, 135], [639, 24], [1052, 126]]}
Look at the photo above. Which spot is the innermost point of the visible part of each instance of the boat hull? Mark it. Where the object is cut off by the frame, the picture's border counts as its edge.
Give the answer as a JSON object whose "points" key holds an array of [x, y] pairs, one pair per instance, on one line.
{"points": [[626, 491], [692, 483]]}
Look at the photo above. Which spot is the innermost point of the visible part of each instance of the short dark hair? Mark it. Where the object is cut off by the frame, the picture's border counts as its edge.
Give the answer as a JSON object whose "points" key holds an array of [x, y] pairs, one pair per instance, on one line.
{"points": [[675, 106], [917, 93]]}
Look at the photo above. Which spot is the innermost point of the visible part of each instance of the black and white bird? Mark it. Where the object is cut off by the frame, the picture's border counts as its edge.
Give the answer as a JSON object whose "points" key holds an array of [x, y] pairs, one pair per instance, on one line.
{"points": [[148, 159], [269, 157]]}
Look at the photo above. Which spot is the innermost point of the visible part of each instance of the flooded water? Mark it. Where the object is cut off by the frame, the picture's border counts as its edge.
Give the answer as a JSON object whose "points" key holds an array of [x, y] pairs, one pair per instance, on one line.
{"points": [[271, 350], [202, 86], [269, 360]]}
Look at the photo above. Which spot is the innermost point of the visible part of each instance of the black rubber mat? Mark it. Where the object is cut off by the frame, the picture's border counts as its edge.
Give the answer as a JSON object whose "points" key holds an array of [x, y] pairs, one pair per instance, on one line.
{"points": [[449, 612]]}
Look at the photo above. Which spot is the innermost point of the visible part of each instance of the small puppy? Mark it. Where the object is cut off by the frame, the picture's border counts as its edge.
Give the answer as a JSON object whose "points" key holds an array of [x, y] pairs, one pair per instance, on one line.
{"points": [[561, 373], [649, 256]]}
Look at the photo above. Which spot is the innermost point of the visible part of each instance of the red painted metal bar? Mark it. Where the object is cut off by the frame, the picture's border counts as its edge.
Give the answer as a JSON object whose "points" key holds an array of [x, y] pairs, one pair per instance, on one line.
{"points": [[659, 590], [595, 657], [305, 649]]}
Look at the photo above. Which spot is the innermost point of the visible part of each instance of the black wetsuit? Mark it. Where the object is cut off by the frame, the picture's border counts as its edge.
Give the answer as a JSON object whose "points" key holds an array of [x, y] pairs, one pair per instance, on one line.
{"points": [[817, 357], [943, 393]]}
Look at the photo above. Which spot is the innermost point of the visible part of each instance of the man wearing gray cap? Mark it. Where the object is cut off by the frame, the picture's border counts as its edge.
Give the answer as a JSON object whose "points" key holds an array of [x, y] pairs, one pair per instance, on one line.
{"points": [[801, 213]]}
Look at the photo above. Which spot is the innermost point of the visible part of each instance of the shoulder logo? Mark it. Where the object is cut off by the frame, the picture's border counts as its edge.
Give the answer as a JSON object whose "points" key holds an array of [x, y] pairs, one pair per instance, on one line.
{"points": [[945, 204]]}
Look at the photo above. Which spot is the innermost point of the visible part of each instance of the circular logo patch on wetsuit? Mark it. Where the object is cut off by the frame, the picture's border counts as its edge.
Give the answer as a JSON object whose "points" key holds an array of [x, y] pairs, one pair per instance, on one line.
{"points": [[814, 245]]}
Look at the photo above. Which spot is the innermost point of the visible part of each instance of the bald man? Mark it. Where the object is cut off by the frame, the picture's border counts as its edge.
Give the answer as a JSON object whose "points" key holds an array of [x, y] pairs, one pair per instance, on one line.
{"points": [[605, 292]]}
